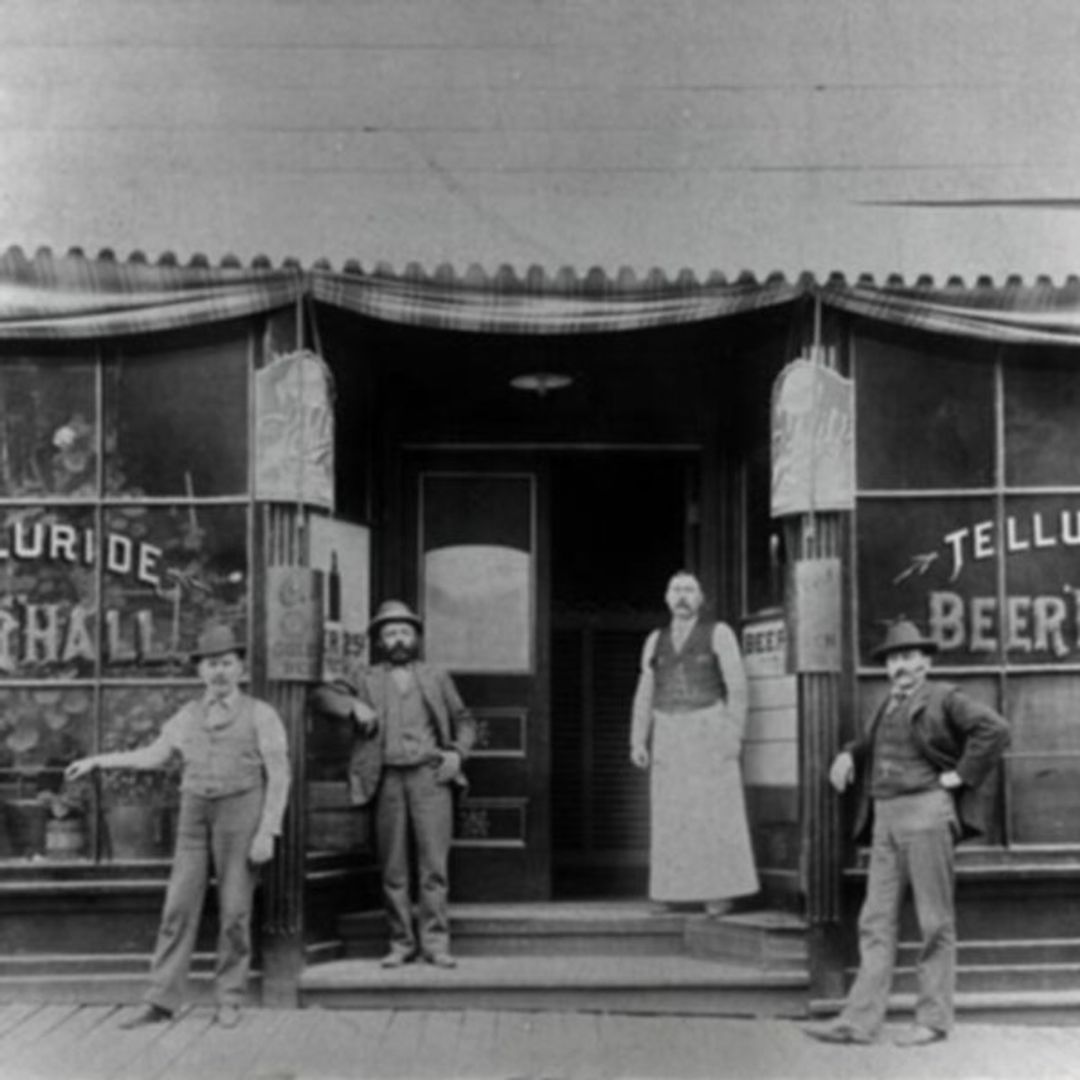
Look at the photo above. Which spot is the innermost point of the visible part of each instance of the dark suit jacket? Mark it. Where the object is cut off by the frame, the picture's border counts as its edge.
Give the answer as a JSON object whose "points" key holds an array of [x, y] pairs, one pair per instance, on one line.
{"points": [[953, 731], [454, 725]]}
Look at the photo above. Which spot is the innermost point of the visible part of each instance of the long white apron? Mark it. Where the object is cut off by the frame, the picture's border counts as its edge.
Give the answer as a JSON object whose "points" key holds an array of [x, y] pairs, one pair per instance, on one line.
{"points": [[700, 844]]}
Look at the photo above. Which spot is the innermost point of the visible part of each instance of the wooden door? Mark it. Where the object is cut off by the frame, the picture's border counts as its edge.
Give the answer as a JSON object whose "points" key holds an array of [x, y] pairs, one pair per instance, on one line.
{"points": [[478, 559]]}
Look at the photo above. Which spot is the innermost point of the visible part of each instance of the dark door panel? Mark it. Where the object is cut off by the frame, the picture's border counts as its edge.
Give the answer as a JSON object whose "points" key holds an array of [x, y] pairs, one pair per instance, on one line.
{"points": [[479, 563]]}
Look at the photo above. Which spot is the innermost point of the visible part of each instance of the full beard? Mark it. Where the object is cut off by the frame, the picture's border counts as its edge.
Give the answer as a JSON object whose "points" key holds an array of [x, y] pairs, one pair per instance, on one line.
{"points": [[399, 655]]}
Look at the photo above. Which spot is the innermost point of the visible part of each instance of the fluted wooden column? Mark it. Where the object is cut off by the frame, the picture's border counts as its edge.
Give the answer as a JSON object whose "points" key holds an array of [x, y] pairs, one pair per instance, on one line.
{"points": [[823, 701], [282, 925]]}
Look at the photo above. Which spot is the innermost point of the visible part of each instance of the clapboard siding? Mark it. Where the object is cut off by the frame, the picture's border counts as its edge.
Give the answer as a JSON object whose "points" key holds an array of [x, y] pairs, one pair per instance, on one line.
{"points": [[770, 764], [701, 133]]}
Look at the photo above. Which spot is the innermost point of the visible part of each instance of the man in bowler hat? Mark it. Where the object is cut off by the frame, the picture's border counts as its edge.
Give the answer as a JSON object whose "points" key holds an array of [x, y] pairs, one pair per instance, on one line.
{"points": [[412, 733], [919, 761], [234, 784]]}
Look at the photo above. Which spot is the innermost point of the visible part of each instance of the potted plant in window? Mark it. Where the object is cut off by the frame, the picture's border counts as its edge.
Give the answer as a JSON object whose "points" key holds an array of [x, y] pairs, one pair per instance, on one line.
{"points": [[65, 829], [136, 804], [135, 812], [25, 816]]}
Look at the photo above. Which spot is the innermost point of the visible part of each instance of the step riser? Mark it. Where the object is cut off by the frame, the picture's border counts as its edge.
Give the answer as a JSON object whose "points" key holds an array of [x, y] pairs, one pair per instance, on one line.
{"points": [[106, 990], [109, 966], [536, 945], [735, 1003], [714, 941], [366, 937], [1003, 979], [1003, 954]]}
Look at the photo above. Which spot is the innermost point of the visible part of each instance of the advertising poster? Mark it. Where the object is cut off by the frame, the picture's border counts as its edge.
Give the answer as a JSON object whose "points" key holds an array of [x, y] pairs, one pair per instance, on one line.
{"points": [[294, 431], [293, 623], [342, 552], [813, 440]]}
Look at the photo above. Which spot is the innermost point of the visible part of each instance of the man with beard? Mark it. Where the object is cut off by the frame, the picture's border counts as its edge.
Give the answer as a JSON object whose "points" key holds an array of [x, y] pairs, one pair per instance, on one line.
{"points": [[919, 760], [689, 713], [412, 735], [234, 783]]}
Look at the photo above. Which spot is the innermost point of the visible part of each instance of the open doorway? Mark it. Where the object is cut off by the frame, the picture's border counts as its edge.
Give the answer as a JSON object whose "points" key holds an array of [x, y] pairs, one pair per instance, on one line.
{"points": [[621, 523]]}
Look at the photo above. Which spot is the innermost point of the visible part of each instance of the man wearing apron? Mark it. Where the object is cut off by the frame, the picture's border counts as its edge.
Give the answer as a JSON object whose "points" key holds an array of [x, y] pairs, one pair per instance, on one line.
{"points": [[687, 728]]}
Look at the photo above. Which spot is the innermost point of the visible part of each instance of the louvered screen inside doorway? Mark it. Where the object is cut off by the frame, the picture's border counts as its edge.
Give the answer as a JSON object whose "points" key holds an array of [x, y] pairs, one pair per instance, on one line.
{"points": [[600, 802]]}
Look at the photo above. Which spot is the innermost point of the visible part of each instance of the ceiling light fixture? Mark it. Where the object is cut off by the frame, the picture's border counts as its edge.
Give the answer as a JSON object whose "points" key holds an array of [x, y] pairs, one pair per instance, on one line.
{"points": [[541, 383]]}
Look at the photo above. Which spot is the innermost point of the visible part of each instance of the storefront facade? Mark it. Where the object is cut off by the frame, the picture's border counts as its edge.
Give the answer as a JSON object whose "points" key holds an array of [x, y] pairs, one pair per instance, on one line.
{"points": [[526, 461]]}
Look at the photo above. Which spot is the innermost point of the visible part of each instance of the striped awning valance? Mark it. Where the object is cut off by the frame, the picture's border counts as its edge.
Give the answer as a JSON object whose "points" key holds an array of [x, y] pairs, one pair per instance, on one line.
{"points": [[47, 298], [1040, 314], [57, 297], [546, 306]]}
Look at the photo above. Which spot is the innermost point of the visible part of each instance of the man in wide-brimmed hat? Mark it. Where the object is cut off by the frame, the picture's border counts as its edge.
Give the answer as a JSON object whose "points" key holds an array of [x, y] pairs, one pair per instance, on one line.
{"points": [[412, 734], [922, 756], [235, 781]]}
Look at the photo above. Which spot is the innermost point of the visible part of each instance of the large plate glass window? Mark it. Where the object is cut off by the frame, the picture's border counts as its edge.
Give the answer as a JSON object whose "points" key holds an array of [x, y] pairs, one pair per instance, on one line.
{"points": [[125, 525]]}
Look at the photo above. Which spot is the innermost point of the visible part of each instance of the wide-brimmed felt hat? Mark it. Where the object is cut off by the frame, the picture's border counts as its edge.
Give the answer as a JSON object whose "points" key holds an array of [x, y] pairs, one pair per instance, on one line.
{"points": [[394, 611], [904, 634], [216, 640]]}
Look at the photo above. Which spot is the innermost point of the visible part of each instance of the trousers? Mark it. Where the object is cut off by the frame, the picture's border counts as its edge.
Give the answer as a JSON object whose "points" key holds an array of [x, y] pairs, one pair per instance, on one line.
{"points": [[913, 845], [215, 832], [410, 800]]}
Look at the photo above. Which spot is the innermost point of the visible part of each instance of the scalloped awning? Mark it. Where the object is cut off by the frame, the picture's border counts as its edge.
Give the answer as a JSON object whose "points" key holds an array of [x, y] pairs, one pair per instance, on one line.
{"points": [[72, 296], [49, 297]]}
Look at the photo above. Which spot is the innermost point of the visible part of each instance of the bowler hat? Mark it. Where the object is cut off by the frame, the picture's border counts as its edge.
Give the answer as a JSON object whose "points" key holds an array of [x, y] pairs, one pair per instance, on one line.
{"points": [[394, 611], [216, 640], [904, 634]]}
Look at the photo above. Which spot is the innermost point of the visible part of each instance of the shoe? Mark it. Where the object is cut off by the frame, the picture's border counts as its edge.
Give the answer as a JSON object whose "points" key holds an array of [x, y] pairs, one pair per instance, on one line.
{"points": [[395, 958], [441, 959], [837, 1032], [148, 1014], [227, 1016], [920, 1035]]}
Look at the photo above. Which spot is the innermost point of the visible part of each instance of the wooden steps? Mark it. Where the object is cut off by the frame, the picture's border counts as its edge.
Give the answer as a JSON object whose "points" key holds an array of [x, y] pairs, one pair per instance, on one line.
{"points": [[539, 929], [94, 978], [620, 955], [1018, 981], [770, 940], [632, 984], [1019, 967]]}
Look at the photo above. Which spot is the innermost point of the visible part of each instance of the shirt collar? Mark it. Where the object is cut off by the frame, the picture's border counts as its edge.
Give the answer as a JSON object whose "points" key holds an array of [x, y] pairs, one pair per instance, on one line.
{"points": [[911, 699], [227, 702]]}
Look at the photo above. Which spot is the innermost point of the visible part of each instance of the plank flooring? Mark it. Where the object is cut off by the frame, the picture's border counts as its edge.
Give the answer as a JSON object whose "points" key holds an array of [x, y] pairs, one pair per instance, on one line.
{"points": [[64, 1042]]}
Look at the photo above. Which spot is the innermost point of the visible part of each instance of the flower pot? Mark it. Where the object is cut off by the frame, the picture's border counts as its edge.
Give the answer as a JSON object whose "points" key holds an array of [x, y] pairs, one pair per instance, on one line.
{"points": [[136, 832], [26, 820], [65, 838]]}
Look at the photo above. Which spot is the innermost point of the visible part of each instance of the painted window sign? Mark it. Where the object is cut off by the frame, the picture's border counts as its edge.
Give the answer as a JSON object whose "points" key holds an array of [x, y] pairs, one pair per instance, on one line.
{"points": [[161, 582], [943, 567]]}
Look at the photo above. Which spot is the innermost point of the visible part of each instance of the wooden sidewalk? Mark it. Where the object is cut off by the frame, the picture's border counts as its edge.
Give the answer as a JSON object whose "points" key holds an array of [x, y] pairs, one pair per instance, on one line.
{"points": [[72, 1042]]}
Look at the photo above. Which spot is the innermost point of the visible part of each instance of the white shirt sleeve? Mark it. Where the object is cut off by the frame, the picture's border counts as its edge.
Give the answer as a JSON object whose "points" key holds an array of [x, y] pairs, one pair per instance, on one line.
{"points": [[274, 750], [726, 647], [641, 717]]}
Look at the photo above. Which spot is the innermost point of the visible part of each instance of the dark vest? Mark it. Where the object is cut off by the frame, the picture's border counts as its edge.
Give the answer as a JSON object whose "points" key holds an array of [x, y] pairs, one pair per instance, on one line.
{"points": [[900, 767], [688, 679]]}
